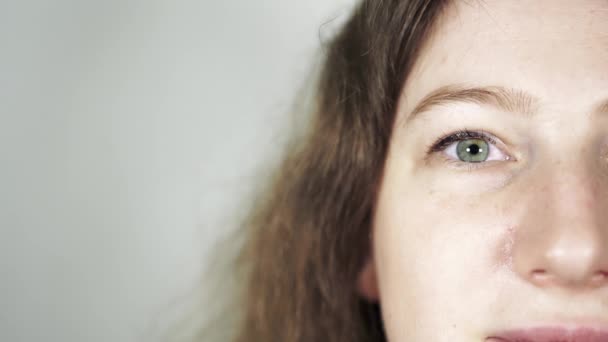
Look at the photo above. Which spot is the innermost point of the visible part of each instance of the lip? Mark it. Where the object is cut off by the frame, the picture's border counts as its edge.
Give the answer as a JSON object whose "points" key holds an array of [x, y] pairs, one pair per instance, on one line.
{"points": [[552, 334]]}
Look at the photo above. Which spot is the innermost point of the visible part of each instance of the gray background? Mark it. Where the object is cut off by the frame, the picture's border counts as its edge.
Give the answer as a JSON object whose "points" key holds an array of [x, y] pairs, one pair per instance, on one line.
{"points": [[128, 132]]}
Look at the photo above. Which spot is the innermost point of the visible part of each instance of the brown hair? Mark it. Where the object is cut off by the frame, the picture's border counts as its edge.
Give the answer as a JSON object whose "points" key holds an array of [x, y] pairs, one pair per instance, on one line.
{"points": [[309, 236]]}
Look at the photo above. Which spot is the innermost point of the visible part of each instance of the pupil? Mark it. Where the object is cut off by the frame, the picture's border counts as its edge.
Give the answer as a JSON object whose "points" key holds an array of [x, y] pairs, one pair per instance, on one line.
{"points": [[473, 149]]}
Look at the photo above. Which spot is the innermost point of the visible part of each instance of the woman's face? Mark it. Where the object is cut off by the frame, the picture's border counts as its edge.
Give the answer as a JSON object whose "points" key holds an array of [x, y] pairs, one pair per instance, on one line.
{"points": [[492, 215]]}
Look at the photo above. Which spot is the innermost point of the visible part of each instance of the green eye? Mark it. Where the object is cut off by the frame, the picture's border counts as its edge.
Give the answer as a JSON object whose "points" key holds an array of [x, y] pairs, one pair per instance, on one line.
{"points": [[472, 150]]}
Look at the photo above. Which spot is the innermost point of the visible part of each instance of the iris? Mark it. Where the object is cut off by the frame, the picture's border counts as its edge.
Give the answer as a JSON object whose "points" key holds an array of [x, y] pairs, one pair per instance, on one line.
{"points": [[473, 150]]}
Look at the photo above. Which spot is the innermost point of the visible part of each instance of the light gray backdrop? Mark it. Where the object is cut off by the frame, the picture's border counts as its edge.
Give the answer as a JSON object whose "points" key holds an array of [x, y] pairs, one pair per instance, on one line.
{"points": [[127, 131]]}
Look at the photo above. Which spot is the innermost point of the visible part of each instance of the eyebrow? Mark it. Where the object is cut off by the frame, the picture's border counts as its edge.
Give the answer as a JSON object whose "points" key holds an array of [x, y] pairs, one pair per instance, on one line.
{"points": [[506, 99]]}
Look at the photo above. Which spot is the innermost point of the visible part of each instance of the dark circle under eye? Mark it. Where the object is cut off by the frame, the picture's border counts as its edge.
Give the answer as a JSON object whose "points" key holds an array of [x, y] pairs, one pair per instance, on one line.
{"points": [[473, 150]]}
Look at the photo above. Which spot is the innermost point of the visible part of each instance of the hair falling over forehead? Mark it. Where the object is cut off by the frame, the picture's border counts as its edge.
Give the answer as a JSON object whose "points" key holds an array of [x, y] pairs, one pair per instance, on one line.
{"points": [[309, 236]]}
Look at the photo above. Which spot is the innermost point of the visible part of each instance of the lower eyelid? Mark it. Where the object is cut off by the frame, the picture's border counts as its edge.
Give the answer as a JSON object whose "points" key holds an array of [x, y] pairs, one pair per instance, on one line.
{"points": [[465, 166]]}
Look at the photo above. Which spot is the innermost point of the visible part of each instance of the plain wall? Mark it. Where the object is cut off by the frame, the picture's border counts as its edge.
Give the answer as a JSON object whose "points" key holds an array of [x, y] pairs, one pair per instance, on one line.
{"points": [[128, 131]]}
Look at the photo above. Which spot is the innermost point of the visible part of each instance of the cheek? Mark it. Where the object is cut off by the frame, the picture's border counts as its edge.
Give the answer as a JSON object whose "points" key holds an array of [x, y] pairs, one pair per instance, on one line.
{"points": [[436, 254]]}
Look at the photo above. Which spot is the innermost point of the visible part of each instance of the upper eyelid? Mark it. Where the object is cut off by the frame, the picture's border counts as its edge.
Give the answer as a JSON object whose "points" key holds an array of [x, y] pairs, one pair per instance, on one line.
{"points": [[446, 140]]}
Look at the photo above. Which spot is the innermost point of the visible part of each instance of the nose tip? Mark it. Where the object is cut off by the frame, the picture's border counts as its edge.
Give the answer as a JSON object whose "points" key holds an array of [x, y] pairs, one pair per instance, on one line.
{"points": [[562, 238], [576, 259], [566, 270]]}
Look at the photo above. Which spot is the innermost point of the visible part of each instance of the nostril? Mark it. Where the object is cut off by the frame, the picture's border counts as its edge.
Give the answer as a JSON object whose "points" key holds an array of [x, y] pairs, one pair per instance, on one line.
{"points": [[540, 276], [599, 278]]}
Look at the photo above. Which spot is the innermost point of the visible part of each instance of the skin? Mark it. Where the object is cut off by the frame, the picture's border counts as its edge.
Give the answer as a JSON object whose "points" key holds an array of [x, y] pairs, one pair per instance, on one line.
{"points": [[461, 252]]}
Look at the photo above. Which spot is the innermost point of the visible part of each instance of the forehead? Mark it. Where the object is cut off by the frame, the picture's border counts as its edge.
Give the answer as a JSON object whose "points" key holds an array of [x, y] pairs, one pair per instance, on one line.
{"points": [[555, 49]]}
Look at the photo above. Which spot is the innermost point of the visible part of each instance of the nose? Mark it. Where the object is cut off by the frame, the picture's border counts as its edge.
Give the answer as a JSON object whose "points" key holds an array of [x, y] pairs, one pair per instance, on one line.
{"points": [[562, 240]]}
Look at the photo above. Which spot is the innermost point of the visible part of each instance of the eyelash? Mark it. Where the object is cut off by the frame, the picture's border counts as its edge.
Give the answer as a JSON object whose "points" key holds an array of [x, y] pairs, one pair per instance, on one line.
{"points": [[450, 138], [447, 140]]}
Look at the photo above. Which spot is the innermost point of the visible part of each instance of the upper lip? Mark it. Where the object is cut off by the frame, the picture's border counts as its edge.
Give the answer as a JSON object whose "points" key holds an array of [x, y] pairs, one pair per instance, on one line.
{"points": [[554, 334]]}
